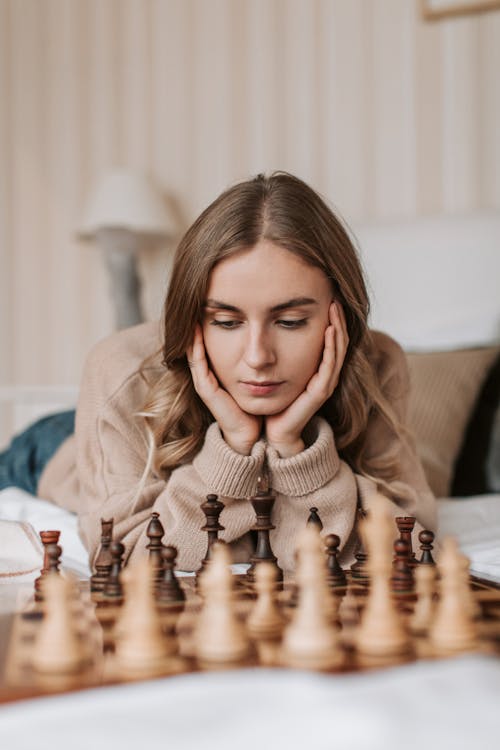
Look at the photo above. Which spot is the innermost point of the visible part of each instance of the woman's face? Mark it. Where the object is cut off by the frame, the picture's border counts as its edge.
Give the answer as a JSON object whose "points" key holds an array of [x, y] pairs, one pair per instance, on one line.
{"points": [[265, 317]]}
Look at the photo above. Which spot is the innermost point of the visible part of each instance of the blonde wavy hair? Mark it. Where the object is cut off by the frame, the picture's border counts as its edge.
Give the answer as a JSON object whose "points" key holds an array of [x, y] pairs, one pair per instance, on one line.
{"points": [[284, 210]]}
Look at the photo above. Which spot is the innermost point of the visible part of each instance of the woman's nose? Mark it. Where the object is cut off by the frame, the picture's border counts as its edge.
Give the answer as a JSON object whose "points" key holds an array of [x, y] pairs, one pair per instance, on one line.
{"points": [[259, 349]]}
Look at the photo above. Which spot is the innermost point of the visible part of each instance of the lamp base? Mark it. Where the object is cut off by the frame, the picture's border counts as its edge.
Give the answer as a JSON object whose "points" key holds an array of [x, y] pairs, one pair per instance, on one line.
{"points": [[120, 248]]}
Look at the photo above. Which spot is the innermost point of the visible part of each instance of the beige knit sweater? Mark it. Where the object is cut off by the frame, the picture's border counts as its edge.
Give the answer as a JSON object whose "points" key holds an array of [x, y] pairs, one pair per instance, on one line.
{"points": [[96, 472]]}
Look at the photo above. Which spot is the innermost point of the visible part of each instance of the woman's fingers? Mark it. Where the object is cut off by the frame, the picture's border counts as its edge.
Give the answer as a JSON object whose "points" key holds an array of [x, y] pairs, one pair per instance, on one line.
{"points": [[340, 315], [196, 352], [324, 380], [203, 379], [288, 425], [292, 421], [239, 429], [341, 339]]}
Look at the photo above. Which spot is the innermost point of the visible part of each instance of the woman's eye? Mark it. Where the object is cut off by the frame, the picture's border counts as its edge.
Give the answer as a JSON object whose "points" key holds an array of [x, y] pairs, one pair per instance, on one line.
{"points": [[292, 323], [228, 324]]}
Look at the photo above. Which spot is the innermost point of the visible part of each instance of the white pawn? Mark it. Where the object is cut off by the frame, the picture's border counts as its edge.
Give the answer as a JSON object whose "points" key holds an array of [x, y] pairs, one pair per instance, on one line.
{"points": [[381, 632], [140, 643], [472, 603], [265, 620], [58, 649], [348, 614], [220, 637], [425, 579], [453, 629], [311, 641]]}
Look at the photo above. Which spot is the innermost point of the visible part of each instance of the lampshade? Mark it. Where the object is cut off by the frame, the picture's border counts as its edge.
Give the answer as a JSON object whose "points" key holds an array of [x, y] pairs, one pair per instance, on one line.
{"points": [[127, 200]]}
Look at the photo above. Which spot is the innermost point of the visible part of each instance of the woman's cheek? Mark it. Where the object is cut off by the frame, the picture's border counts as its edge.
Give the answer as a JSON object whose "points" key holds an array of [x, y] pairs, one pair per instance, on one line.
{"points": [[216, 358], [313, 352]]}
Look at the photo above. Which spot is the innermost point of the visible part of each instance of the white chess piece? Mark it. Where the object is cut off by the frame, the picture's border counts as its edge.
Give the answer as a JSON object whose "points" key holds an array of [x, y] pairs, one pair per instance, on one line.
{"points": [[140, 643], [473, 604], [453, 629], [265, 620], [220, 637], [425, 580], [58, 649], [381, 632], [311, 640]]}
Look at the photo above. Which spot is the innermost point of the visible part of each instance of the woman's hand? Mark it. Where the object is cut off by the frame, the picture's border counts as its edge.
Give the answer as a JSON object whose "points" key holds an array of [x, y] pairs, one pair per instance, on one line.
{"points": [[284, 430], [240, 430]]}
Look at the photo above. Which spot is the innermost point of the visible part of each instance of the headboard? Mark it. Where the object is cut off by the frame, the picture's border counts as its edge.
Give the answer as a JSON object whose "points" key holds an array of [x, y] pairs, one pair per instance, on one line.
{"points": [[434, 282]]}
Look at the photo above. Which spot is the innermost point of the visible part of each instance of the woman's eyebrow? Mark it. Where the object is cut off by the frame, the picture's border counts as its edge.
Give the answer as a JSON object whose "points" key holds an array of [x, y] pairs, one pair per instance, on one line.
{"points": [[294, 302], [214, 304]]}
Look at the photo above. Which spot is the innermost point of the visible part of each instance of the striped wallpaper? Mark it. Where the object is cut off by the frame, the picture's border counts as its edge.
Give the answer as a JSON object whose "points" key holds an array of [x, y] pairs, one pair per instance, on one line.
{"points": [[387, 115]]}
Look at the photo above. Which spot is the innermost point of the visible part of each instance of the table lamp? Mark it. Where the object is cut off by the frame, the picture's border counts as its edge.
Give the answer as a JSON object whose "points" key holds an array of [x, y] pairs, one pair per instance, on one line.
{"points": [[124, 211]]}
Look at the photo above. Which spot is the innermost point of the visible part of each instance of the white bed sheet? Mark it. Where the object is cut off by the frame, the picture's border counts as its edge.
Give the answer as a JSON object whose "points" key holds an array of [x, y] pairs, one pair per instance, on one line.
{"points": [[475, 521], [445, 705], [19, 506]]}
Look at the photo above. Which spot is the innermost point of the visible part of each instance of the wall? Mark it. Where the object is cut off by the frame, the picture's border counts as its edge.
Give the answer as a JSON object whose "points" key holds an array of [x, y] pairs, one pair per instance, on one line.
{"points": [[386, 115]]}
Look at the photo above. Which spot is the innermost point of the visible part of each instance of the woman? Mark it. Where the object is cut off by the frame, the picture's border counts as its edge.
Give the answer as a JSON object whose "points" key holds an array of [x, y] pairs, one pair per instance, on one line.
{"points": [[265, 364]]}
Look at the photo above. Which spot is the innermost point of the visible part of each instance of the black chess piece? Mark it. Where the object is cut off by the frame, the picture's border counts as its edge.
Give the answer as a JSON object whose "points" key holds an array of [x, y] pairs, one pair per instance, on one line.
{"points": [[212, 508], [405, 526], [402, 572], [54, 552], [103, 560], [426, 539], [113, 588], [154, 533], [314, 518], [358, 568], [262, 503], [169, 589], [335, 575], [47, 537]]}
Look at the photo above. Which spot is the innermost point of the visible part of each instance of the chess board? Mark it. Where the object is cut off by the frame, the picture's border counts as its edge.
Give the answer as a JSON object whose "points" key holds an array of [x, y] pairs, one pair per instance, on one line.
{"points": [[97, 620]]}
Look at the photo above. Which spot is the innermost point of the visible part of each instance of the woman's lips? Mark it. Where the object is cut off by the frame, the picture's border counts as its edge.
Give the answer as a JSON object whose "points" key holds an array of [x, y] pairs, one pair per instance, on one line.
{"points": [[260, 389]]}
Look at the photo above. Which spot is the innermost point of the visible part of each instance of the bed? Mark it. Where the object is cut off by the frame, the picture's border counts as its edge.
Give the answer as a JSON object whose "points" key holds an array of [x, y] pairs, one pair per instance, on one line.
{"points": [[434, 285]]}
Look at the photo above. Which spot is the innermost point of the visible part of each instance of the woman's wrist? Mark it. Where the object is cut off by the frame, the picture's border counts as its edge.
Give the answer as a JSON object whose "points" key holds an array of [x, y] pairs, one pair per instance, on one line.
{"points": [[238, 446], [287, 449], [312, 468], [224, 470]]}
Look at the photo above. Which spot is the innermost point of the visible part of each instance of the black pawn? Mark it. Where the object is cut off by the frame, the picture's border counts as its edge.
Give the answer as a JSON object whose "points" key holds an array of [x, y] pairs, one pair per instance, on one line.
{"points": [[314, 518], [113, 587], [154, 533], [169, 589], [426, 539], [335, 575], [103, 560], [402, 574]]}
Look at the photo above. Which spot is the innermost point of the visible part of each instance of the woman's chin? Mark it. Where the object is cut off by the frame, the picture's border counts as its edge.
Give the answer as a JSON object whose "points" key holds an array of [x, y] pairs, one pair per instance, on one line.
{"points": [[263, 407]]}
